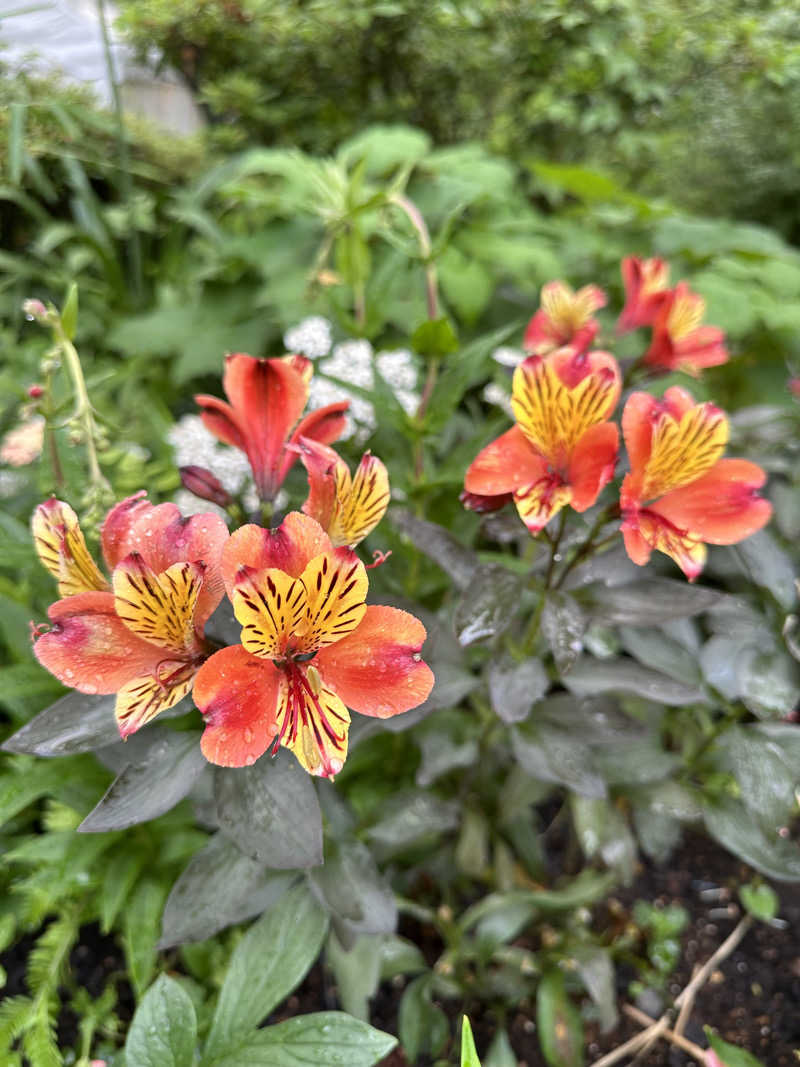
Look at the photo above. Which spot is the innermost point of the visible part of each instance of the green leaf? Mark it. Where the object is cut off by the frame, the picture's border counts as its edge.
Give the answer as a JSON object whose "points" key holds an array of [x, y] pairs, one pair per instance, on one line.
{"points": [[155, 783], [219, 886], [563, 624], [357, 971], [555, 755], [354, 890], [738, 829], [326, 1037], [730, 1055], [649, 601], [596, 971], [69, 312], [412, 817], [16, 140], [75, 723], [141, 919], [653, 648], [515, 687], [500, 1052], [271, 811], [761, 901], [769, 566], [486, 608], [558, 1022], [767, 781], [469, 1054], [603, 832], [438, 544], [272, 958], [467, 284], [119, 877], [434, 339], [591, 676], [163, 1032], [422, 1025]]}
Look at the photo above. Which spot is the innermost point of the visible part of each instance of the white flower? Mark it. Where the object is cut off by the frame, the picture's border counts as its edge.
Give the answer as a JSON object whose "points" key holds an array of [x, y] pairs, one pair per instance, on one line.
{"points": [[496, 394], [311, 337], [507, 356]]}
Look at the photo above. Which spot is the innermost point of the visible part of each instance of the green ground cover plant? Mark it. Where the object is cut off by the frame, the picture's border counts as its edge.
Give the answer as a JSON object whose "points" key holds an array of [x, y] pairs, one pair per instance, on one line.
{"points": [[586, 709]]}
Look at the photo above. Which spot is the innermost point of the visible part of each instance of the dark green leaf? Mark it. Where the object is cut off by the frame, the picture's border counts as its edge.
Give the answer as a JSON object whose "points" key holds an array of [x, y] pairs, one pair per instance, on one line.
{"points": [[603, 832], [357, 971], [563, 624], [354, 890], [75, 723], [769, 683], [591, 676], [328, 1038], [767, 782], [458, 562], [653, 648], [422, 1024], [515, 687], [271, 959], [487, 607], [650, 601], [555, 755], [596, 971], [414, 816], [766, 564], [738, 829], [271, 811], [559, 1023], [220, 886], [152, 785], [163, 1031]]}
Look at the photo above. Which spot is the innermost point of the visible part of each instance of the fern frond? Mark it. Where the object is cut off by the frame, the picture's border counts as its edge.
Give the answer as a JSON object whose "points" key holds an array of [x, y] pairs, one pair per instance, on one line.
{"points": [[48, 957], [16, 1013], [39, 1042]]}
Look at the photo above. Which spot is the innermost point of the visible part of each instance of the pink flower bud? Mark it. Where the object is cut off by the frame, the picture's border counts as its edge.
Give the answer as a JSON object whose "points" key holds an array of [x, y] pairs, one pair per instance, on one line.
{"points": [[204, 484], [35, 391], [35, 309]]}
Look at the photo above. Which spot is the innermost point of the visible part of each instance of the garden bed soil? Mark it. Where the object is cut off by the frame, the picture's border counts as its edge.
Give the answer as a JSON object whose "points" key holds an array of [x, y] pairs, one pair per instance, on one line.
{"points": [[752, 1000]]}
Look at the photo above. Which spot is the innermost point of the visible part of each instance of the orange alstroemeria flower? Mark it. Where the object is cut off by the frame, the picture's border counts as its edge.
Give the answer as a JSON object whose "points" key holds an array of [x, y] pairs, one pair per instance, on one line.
{"points": [[346, 506], [562, 450], [565, 318], [267, 399], [141, 634], [680, 494], [646, 284], [680, 342], [311, 647]]}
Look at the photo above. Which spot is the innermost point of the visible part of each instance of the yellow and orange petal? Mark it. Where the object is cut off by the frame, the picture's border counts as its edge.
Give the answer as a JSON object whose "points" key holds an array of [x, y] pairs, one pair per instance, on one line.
{"points": [[144, 697], [160, 608], [646, 289], [682, 451], [565, 317], [537, 504], [347, 508], [552, 414], [312, 722], [289, 548], [505, 465], [378, 669], [61, 547], [272, 607], [336, 586], [645, 530], [238, 696]]}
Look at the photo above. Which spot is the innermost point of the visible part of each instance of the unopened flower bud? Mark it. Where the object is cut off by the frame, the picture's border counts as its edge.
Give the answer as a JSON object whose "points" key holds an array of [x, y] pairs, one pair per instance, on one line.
{"points": [[204, 484], [34, 310], [35, 391]]}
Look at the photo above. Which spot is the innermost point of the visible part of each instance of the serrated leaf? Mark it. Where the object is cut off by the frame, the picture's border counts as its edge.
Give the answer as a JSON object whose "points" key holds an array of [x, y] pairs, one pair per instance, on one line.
{"points": [[75, 723], [591, 676], [163, 1031], [563, 625], [558, 1022], [271, 811], [738, 829], [272, 958], [219, 886], [152, 785], [515, 687], [650, 601], [327, 1037]]}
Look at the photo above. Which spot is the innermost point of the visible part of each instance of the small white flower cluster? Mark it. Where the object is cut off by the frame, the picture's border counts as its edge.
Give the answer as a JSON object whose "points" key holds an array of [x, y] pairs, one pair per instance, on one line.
{"points": [[194, 445], [354, 362], [311, 338]]}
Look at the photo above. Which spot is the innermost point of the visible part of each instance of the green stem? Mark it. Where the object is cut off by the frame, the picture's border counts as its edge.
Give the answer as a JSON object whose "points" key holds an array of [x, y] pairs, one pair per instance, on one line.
{"points": [[533, 630], [83, 413], [414, 216], [590, 546]]}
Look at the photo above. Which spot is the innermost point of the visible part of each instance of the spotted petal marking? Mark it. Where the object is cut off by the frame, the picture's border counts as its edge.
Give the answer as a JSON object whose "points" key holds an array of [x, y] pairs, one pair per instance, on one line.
{"points": [[313, 722], [550, 414], [144, 697], [682, 451], [361, 504], [336, 585], [62, 549], [538, 503], [684, 546], [270, 605], [159, 607]]}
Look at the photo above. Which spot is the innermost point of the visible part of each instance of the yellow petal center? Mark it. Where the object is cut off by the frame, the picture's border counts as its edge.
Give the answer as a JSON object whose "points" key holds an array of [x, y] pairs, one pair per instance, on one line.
{"points": [[683, 450]]}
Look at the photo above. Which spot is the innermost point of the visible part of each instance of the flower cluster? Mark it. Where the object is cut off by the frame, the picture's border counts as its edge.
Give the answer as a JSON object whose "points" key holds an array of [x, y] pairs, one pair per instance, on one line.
{"points": [[679, 494], [311, 647]]}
